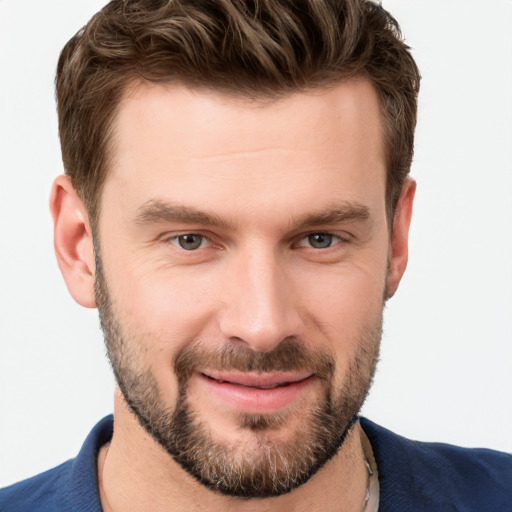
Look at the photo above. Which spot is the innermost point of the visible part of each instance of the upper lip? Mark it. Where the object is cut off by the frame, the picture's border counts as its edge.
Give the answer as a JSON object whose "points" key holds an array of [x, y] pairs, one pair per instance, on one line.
{"points": [[257, 380]]}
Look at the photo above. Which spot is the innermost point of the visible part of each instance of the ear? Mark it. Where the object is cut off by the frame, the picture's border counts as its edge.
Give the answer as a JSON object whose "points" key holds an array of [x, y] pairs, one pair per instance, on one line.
{"points": [[73, 241], [399, 246]]}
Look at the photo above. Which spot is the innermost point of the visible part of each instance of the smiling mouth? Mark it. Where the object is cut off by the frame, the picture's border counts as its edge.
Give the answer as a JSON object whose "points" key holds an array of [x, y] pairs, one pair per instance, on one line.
{"points": [[258, 381], [257, 393], [260, 386]]}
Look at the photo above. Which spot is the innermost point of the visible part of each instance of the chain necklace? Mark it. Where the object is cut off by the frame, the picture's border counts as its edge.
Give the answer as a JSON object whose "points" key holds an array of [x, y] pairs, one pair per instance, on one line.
{"points": [[372, 484], [368, 480]]}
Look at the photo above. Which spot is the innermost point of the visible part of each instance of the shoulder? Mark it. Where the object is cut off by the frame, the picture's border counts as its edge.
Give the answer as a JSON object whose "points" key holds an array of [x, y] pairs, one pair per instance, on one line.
{"points": [[41, 492], [437, 476], [72, 486]]}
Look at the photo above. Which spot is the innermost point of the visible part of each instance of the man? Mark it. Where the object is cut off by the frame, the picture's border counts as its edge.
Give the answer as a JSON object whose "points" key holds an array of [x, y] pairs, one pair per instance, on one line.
{"points": [[237, 206]]}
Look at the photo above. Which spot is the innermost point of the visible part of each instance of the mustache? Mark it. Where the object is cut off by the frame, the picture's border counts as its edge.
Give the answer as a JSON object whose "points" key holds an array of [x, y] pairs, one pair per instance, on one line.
{"points": [[290, 355]]}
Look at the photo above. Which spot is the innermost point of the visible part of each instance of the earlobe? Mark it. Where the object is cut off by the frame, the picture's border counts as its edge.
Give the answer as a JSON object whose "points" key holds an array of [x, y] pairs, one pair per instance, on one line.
{"points": [[399, 244], [73, 241]]}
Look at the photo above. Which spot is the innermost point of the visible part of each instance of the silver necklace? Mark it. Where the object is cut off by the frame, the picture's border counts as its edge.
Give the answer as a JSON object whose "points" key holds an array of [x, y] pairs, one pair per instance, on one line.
{"points": [[372, 483], [368, 480]]}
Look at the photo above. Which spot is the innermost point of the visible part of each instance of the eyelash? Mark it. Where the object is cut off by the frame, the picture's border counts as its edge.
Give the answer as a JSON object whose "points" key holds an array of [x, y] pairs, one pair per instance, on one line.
{"points": [[174, 240], [323, 234]]}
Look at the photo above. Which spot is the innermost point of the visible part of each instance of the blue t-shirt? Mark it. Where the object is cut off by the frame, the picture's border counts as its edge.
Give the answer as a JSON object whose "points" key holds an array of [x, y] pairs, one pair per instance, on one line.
{"points": [[413, 477]]}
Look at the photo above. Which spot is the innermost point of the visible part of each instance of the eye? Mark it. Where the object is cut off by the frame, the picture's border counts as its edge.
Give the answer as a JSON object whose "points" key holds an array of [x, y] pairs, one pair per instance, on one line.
{"points": [[189, 241], [319, 240]]}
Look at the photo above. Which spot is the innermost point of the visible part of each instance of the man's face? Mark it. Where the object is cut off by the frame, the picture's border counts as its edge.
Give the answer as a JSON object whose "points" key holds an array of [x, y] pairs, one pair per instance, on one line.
{"points": [[243, 252]]}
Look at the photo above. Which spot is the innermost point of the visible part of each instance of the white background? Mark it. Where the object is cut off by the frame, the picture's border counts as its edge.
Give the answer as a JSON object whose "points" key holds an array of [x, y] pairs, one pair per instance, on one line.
{"points": [[446, 363]]}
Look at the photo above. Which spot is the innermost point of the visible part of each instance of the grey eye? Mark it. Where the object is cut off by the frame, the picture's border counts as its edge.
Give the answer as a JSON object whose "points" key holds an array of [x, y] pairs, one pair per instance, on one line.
{"points": [[190, 241], [320, 240]]}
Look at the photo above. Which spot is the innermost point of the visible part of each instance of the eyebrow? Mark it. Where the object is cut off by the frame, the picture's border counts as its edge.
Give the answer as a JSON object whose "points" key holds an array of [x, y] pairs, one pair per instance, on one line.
{"points": [[347, 211], [157, 210]]}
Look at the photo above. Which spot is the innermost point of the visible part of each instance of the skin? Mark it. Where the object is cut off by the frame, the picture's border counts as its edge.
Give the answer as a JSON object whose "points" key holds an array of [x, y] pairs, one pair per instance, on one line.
{"points": [[262, 168]]}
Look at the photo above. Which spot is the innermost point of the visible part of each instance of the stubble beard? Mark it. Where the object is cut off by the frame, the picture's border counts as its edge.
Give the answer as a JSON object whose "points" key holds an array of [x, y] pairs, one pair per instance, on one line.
{"points": [[268, 465]]}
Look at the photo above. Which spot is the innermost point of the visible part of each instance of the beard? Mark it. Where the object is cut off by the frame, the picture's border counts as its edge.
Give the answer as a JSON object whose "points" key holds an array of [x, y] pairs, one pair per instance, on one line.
{"points": [[270, 464]]}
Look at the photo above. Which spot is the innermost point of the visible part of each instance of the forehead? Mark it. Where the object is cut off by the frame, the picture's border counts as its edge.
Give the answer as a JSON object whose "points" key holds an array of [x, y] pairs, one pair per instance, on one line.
{"points": [[316, 116], [205, 147]]}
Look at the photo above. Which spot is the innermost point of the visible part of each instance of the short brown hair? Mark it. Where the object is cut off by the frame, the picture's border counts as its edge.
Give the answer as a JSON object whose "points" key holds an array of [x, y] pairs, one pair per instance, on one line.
{"points": [[253, 49]]}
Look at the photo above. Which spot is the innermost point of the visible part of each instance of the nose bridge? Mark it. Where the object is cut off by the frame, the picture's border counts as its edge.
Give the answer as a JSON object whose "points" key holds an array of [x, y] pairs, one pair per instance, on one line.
{"points": [[259, 308]]}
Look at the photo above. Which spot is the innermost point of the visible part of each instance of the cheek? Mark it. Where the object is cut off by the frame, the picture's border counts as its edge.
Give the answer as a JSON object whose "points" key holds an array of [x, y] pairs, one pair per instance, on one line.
{"points": [[346, 308], [347, 294], [164, 309]]}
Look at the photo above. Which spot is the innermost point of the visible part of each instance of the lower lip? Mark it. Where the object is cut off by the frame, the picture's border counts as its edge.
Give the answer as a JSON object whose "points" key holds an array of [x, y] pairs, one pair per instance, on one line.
{"points": [[256, 400]]}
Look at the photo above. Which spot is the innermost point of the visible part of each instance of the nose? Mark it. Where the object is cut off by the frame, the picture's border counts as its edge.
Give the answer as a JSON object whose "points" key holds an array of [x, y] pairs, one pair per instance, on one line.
{"points": [[259, 306]]}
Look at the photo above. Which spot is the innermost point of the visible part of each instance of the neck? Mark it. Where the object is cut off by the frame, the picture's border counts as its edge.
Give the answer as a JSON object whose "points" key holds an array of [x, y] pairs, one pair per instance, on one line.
{"points": [[135, 473]]}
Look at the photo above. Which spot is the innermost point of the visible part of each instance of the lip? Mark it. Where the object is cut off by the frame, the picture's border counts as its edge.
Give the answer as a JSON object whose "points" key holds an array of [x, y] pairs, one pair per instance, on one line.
{"points": [[257, 393]]}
